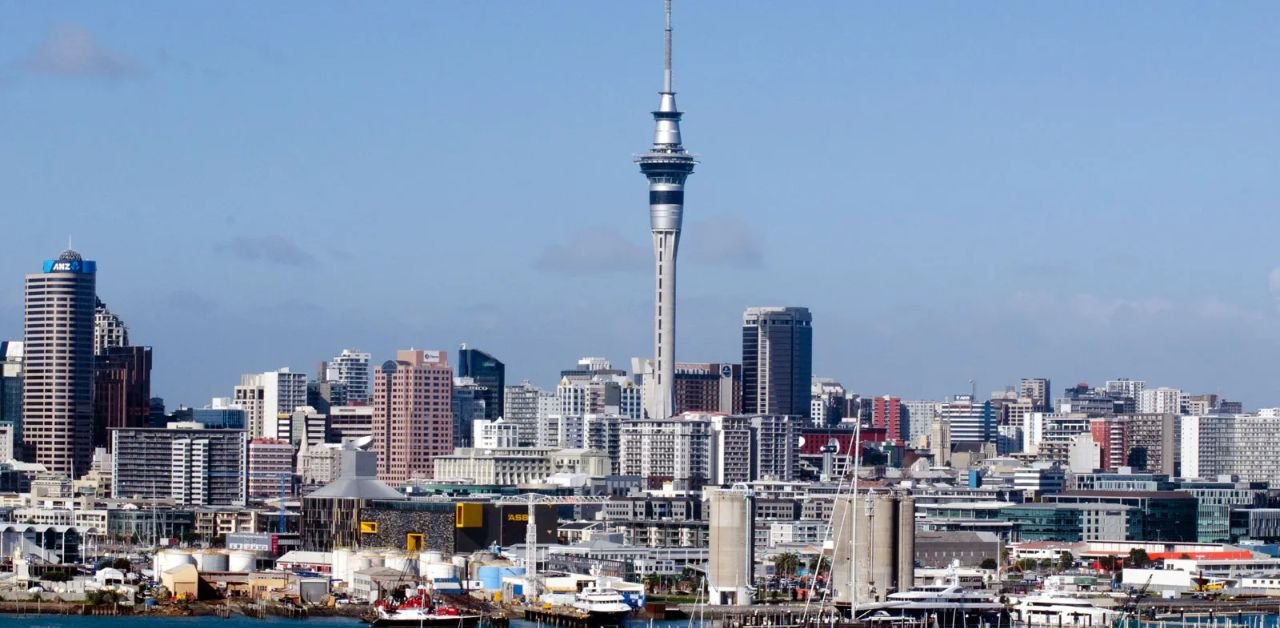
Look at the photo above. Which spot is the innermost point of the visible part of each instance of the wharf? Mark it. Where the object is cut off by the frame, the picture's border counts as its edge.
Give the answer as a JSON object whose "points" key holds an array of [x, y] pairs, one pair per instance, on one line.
{"points": [[771, 616]]}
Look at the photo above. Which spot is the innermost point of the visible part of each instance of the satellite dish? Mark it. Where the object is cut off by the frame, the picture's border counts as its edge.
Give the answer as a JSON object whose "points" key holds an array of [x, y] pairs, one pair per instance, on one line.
{"points": [[801, 442]]}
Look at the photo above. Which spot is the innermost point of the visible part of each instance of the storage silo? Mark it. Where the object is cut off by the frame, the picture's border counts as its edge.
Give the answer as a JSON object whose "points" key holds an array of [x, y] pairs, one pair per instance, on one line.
{"points": [[731, 564], [906, 542], [242, 561]]}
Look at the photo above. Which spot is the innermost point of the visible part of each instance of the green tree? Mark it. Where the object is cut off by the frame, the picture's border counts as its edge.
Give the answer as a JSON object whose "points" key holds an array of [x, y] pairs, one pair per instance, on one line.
{"points": [[1046, 564], [786, 564], [1139, 558], [988, 563], [1066, 561]]}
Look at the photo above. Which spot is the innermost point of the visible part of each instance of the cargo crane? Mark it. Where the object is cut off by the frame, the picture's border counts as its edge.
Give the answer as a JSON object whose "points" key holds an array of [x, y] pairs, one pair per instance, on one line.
{"points": [[532, 500]]}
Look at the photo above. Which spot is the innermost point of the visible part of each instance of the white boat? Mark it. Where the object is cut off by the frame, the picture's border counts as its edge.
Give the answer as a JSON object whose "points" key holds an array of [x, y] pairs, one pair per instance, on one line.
{"points": [[1061, 610], [422, 612], [940, 605]]}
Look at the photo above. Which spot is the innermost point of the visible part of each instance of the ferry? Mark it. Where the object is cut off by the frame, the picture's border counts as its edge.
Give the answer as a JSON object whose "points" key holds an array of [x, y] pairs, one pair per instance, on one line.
{"points": [[1060, 610], [421, 611]]}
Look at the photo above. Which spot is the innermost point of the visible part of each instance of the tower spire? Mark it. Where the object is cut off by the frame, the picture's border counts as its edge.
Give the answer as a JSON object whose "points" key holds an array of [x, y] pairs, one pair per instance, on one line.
{"points": [[666, 58]]}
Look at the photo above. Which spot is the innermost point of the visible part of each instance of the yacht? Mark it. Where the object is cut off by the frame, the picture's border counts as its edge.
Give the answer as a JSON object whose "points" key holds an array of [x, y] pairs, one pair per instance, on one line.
{"points": [[422, 612], [1061, 610], [603, 606], [937, 605]]}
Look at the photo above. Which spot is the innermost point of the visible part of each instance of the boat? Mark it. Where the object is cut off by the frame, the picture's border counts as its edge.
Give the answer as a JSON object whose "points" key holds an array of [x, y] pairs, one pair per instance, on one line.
{"points": [[1061, 610], [420, 610], [936, 605], [602, 604]]}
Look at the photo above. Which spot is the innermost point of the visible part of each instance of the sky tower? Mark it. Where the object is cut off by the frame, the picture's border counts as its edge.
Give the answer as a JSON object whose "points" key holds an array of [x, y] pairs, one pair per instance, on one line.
{"points": [[666, 165]]}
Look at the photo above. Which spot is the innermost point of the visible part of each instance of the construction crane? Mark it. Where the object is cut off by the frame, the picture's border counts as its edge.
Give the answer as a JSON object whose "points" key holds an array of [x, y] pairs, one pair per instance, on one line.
{"points": [[532, 500]]}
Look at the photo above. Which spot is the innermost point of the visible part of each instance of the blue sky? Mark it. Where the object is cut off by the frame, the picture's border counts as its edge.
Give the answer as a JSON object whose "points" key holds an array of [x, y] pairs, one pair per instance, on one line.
{"points": [[995, 190]]}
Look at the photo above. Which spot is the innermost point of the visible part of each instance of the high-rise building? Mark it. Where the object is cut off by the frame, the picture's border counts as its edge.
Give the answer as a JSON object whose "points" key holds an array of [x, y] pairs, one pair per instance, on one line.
{"points": [[1125, 387], [351, 369], [1154, 443], [1112, 437], [1160, 401], [11, 391], [1038, 390], [486, 372], [920, 415], [220, 414], [121, 391], [708, 387], [827, 401], [184, 463], [970, 420], [1244, 445], [666, 165], [270, 468], [675, 450], [887, 413], [777, 360], [108, 330], [470, 403], [57, 396], [520, 404], [269, 399], [412, 414], [348, 422]]}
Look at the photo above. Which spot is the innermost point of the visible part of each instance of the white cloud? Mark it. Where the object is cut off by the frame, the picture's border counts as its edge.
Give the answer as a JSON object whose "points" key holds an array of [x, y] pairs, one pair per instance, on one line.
{"points": [[71, 51]]}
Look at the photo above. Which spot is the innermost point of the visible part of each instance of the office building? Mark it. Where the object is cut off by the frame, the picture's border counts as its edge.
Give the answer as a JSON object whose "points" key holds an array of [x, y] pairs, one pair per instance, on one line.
{"points": [[666, 166], [108, 330], [1112, 437], [351, 370], [827, 401], [1160, 401], [1154, 443], [521, 403], [412, 414], [674, 450], [11, 391], [268, 399], [1038, 390], [270, 468], [489, 375], [220, 414], [708, 387], [1125, 388], [57, 396], [346, 422], [919, 416], [185, 463], [777, 360], [775, 445], [121, 391], [1243, 445], [970, 421], [470, 404], [495, 434], [887, 413]]}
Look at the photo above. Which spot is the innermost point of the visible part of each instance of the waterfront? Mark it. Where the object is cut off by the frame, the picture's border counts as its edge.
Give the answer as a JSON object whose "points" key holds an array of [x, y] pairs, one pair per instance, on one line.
{"points": [[236, 621]]}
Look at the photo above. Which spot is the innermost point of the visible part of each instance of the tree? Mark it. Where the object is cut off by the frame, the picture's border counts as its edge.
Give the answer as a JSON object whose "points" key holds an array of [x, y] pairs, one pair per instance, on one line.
{"points": [[786, 564], [1046, 564], [988, 563], [1138, 558], [1065, 561]]}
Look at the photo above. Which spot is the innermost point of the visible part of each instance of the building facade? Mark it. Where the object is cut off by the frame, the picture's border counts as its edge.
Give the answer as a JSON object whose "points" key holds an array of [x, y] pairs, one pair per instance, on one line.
{"points": [[121, 390], [489, 375], [412, 414], [777, 360], [58, 330], [188, 464]]}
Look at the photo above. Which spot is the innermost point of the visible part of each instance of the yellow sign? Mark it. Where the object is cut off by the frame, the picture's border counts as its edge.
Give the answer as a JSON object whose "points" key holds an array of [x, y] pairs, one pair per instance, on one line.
{"points": [[468, 515], [413, 542], [368, 527], [511, 516]]}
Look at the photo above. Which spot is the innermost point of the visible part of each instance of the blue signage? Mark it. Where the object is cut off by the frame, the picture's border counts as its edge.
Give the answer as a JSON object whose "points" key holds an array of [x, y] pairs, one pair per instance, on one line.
{"points": [[80, 267]]}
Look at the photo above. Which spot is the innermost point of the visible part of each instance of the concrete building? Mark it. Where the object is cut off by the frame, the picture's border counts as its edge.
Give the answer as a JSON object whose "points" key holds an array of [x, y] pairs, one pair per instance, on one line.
{"points": [[270, 468], [887, 413], [1160, 401], [1125, 387], [521, 405], [489, 375], [269, 397], [919, 416], [351, 370], [1039, 391], [1112, 437], [58, 334], [827, 401], [349, 422], [708, 387], [108, 330], [495, 434], [412, 414], [1154, 442], [970, 420], [185, 463], [1243, 445], [672, 450], [11, 387], [121, 390], [879, 530], [777, 360], [524, 465], [731, 452], [731, 564], [775, 446]]}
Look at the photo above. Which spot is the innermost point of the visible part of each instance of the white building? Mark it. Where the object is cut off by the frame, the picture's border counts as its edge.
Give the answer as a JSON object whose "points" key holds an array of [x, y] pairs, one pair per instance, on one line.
{"points": [[351, 369], [675, 449], [1125, 387], [920, 417], [512, 467], [1160, 401], [1245, 445], [522, 405], [351, 421], [495, 434], [265, 397]]}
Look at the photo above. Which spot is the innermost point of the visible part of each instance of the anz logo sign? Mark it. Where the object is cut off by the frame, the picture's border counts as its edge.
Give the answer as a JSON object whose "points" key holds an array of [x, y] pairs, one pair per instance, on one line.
{"points": [[69, 266]]}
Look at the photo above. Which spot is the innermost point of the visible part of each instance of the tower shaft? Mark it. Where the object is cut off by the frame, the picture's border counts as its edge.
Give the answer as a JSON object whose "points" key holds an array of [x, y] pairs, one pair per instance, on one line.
{"points": [[666, 165]]}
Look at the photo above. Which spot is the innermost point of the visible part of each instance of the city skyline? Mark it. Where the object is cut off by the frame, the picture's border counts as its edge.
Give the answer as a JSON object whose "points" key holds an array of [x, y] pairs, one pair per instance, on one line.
{"points": [[954, 250]]}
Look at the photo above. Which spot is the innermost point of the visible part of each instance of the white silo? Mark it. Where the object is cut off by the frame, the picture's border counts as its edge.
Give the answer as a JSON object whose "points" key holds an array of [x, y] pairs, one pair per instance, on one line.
{"points": [[730, 571], [342, 564], [211, 560], [242, 561], [174, 558]]}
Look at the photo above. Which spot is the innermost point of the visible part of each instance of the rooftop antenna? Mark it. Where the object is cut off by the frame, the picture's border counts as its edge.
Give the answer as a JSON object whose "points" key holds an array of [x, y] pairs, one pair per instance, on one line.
{"points": [[666, 65]]}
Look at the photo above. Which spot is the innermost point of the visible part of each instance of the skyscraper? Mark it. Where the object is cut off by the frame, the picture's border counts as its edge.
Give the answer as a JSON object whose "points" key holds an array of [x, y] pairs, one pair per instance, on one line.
{"points": [[57, 396], [108, 330], [777, 360], [351, 369], [486, 372], [666, 165], [1038, 390], [412, 414], [11, 388], [121, 391]]}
